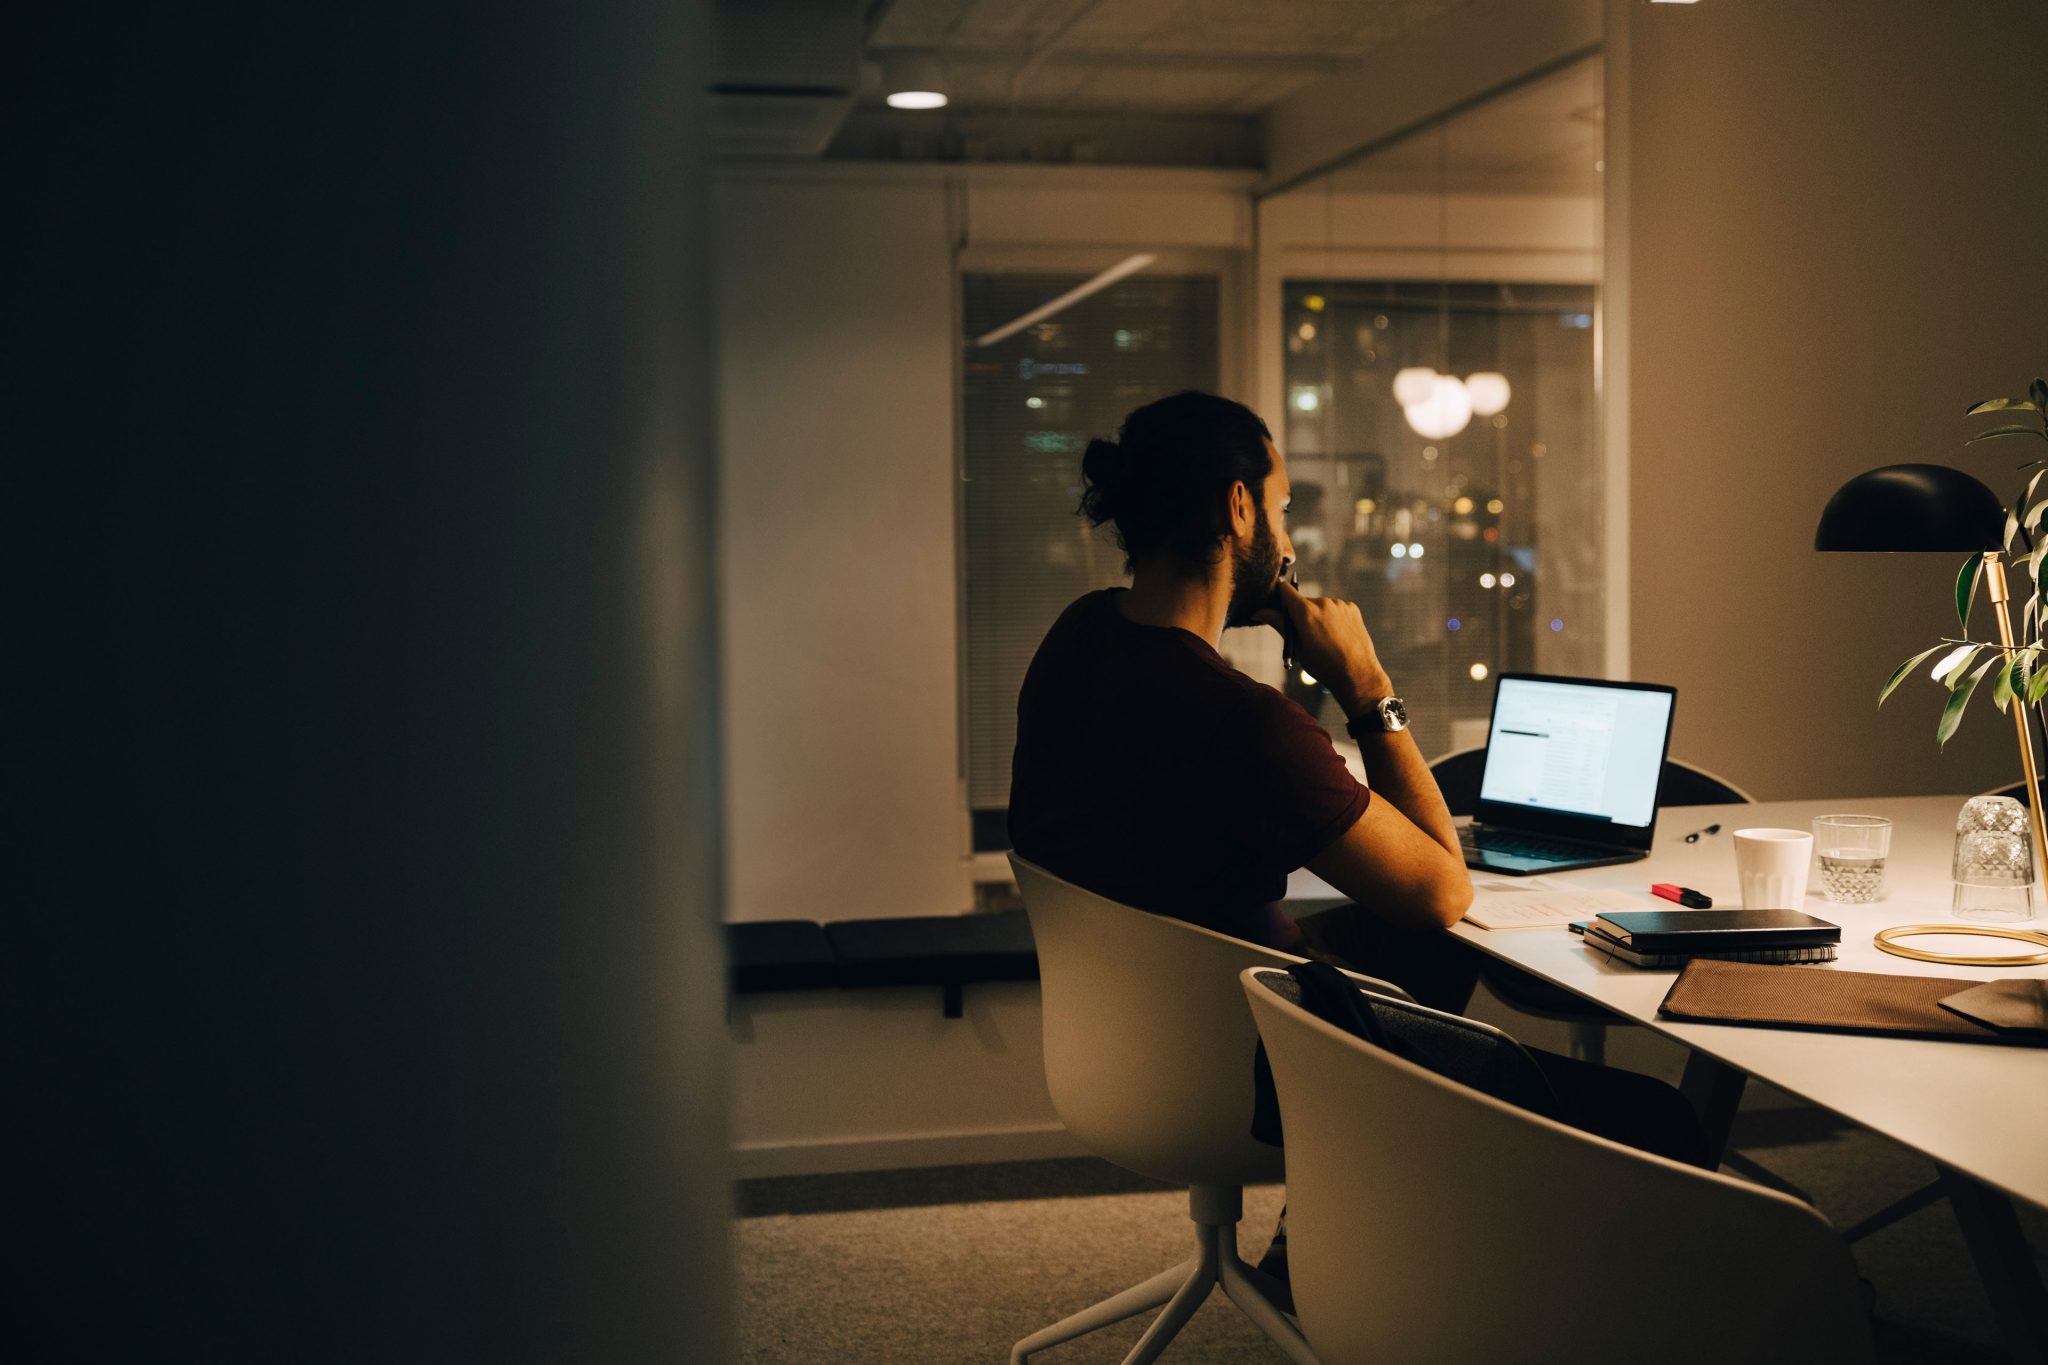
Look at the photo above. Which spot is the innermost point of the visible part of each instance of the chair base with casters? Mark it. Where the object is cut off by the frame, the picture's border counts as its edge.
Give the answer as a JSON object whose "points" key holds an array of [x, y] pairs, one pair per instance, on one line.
{"points": [[1215, 1210], [1148, 1061]]}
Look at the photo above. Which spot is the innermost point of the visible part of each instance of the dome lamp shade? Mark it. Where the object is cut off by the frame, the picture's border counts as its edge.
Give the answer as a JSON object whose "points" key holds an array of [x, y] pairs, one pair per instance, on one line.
{"points": [[1413, 385], [1490, 392], [1444, 413], [1909, 508]]}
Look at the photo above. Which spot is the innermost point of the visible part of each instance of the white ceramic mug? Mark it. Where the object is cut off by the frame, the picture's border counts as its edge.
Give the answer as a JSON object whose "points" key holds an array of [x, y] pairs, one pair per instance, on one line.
{"points": [[1772, 865]]}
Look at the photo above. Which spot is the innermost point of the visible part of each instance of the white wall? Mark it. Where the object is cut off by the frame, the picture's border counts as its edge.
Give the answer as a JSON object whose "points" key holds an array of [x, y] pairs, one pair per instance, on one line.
{"points": [[873, 1079], [1836, 215], [837, 501], [836, 511]]}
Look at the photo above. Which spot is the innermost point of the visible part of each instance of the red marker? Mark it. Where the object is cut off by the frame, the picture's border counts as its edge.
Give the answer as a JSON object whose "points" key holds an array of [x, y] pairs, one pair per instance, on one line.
{"points": [[1684, 895]]}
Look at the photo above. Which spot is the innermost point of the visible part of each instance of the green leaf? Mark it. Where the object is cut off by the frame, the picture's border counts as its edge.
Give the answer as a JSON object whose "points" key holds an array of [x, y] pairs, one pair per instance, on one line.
{"points": [[2025, 501], [1899, 673], [1966, 587], [1952, 714], [2003, 405], [2001, 431], [2004, 681], [1953, 663], [2037, 685]]}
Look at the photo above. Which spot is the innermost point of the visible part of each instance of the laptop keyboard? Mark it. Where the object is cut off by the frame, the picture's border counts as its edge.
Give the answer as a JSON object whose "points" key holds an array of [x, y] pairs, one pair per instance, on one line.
{"points": [[1520, 845]]}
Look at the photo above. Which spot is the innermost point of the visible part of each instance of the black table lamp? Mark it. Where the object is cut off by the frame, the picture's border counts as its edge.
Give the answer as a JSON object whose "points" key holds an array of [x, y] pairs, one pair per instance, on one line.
{"points": [[1907, 507], [1930, 507]]}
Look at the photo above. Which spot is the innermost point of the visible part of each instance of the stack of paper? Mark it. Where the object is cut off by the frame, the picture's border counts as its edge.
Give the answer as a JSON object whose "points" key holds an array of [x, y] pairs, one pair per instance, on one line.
{"points": [[1531, 903]]}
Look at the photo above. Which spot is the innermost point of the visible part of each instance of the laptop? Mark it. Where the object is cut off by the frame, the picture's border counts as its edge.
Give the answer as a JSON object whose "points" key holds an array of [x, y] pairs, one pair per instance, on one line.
{"points": [[1570, 774]]}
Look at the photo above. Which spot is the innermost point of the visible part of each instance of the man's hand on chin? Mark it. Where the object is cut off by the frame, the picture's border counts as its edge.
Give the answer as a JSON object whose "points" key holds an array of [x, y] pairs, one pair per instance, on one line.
{"points": [[1329, 639]]}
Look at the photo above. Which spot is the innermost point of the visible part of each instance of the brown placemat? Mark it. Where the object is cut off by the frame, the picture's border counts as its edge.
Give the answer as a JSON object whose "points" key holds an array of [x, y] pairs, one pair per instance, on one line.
{"points": [[1801, 997]]}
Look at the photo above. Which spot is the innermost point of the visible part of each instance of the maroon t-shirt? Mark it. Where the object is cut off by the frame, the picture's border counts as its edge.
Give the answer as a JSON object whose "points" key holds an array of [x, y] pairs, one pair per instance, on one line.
{"points": [[1150, 771]]}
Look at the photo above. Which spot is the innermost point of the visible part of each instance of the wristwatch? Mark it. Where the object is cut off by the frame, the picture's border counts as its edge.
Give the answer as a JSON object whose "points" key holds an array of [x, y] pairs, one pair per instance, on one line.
{"points": [[1382, 717]]}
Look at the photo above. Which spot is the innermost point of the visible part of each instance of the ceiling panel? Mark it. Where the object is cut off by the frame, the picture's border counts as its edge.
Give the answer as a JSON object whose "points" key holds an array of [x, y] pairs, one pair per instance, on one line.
{"points": [[1226, 61], [1224, 56]]}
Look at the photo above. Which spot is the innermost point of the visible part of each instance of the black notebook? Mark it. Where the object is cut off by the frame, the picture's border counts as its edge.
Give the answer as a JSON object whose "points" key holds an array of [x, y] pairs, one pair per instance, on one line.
{"points": [[1715, 931]]}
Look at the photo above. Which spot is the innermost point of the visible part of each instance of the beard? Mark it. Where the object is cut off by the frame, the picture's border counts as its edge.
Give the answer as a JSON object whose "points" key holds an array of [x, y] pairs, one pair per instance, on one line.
{"points": [[1254, 573]]}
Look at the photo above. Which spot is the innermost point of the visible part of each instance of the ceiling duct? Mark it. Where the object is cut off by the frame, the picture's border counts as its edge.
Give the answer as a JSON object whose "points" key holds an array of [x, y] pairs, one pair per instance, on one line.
{"points": [[784, 75]]}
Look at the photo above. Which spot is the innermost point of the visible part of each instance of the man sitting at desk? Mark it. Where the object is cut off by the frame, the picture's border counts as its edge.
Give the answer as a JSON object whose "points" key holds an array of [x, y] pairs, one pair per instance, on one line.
{"points": [[1150, 771]]}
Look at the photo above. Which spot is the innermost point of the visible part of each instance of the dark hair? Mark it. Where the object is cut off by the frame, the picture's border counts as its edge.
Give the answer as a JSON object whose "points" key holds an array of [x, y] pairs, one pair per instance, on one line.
{"points": [[1163, 480]]}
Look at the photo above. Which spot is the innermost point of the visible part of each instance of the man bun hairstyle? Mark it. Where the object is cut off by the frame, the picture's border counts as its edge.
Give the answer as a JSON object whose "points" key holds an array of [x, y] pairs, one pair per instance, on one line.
{"points": [[1165, 479]]}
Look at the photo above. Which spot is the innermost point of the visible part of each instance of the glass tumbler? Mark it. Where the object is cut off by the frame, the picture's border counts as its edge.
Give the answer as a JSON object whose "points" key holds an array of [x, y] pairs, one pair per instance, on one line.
{"points": [[1852, 850], [1994, 868]]}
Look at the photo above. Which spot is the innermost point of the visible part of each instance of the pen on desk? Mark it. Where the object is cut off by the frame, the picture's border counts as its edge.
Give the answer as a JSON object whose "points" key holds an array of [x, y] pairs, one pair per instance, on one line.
{"points": [[1698, 834], [1684, 895]]}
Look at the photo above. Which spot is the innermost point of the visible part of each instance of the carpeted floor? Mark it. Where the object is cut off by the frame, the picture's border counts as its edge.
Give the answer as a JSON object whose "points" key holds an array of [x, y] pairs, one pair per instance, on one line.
{"points": [[956, 1263]]}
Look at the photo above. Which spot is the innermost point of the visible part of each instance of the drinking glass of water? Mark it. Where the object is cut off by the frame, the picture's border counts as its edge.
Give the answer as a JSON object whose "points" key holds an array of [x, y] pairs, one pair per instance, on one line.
{"points": [[1852, 850]]}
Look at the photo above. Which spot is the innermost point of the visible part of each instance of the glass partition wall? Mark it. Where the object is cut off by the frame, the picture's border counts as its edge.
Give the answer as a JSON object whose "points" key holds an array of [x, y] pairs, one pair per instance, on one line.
{"points": [[1467, 524], [1436, 327], [1472, 540]]}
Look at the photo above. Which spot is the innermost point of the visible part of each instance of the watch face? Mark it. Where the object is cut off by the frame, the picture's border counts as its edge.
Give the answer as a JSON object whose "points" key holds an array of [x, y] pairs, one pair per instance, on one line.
{"points": [[1394, 713]]}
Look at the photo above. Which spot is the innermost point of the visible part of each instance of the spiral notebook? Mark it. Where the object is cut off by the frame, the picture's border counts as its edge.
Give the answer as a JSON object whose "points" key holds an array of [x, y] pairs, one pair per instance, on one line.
{"points": [[1659, 951]]}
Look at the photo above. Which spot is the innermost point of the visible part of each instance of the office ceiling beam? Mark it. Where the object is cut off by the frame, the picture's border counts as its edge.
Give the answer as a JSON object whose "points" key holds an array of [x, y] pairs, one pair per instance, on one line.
{"points": [[1459, 60], [1281, 63]]}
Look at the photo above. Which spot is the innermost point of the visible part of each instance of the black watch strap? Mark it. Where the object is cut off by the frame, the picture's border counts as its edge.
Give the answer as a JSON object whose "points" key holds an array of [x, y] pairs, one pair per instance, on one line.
{"points": [[1378, 718]]}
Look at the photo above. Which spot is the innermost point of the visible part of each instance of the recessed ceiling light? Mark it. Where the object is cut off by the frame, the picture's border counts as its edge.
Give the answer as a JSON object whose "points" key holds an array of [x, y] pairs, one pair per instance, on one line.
{"points": [[913, 82]]}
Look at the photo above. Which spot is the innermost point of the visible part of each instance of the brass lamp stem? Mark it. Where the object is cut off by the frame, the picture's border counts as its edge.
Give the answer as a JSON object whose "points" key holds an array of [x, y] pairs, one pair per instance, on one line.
{"points": [[1994, 588]]}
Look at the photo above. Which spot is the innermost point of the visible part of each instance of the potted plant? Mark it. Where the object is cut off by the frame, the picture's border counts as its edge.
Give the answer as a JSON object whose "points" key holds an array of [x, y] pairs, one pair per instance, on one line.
{"points": [[2019, 675]]}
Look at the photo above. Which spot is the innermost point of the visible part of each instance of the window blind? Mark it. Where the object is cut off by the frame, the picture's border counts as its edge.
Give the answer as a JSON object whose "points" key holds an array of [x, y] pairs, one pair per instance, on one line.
{"points": [[1031, 403]]}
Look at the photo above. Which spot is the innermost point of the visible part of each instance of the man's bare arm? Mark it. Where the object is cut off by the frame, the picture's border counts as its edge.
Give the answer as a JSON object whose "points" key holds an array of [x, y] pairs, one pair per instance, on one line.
{"points": [[1401, 858]]}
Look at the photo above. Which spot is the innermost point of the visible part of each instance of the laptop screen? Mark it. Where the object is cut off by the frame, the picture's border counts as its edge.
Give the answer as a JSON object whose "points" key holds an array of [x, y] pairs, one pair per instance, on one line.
{"points": [[1577, 748]]}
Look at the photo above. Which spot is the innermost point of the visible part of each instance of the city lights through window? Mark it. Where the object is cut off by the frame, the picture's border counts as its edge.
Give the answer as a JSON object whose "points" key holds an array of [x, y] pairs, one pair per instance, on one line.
{"points": [[1473, 547]]}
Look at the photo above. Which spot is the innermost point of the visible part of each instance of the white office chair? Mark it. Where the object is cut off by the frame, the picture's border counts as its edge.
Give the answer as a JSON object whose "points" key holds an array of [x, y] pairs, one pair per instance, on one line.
{"points": [[1428, 1222], [1148, 1056]]}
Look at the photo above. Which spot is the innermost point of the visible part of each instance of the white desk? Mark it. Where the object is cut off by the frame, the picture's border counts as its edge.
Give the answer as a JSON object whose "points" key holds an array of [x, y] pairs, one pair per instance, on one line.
{"points": [[1980, 1111]]}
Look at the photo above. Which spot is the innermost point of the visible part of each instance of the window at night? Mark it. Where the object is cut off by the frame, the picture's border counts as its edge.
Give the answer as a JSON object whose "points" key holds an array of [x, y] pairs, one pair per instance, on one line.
{"points": [[1031, 403], [1464, 518]]}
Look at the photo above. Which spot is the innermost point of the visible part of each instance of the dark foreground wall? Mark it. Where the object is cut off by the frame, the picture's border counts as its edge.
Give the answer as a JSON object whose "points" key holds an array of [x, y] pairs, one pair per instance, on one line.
{"points": [[362, 998]]}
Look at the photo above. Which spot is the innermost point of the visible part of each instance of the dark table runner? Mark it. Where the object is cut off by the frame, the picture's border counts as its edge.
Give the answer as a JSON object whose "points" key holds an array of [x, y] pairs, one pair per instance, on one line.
{"points": [[1810, 997]]}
